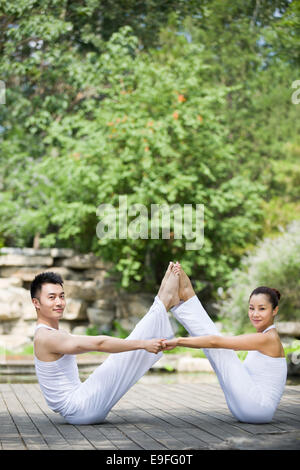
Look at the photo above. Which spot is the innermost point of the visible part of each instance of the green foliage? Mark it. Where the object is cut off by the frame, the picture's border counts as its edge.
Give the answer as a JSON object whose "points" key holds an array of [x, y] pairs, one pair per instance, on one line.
{"points": [[274, 263], [106, 99], [120, 331], [160, 125], [92, 331]]}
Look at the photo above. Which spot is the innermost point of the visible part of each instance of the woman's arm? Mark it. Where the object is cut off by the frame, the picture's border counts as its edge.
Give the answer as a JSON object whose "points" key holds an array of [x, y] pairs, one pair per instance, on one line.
{"points": [[247, 342]]}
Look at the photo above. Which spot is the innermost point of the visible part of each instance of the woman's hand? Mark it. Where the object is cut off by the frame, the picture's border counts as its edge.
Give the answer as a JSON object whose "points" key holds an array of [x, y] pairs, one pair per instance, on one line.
{"points": [[170, 344]]}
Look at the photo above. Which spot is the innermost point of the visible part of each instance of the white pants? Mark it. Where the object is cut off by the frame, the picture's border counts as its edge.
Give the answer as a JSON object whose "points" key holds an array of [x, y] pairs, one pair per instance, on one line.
{"points": [[94, 398], [242, 394]]}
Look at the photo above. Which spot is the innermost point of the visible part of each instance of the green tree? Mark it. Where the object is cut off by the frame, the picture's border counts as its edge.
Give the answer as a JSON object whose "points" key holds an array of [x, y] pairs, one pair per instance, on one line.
{"points": [[94, 112], [156, 138]]}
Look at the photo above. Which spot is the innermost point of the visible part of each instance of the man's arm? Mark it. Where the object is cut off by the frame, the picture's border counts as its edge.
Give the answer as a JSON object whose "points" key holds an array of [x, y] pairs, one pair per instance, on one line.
{"points": [[58, 343]]}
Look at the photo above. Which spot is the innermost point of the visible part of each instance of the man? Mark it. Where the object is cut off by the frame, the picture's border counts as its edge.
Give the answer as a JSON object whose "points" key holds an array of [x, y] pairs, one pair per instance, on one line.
{"points": [[90, 401]]}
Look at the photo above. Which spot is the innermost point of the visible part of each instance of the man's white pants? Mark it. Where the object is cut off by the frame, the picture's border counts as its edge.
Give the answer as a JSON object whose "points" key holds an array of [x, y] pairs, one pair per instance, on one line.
{"points": [[94, 398]]}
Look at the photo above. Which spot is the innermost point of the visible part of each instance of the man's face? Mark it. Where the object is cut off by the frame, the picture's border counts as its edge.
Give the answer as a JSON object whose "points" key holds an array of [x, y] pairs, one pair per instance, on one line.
{"points": [[51, 301]]}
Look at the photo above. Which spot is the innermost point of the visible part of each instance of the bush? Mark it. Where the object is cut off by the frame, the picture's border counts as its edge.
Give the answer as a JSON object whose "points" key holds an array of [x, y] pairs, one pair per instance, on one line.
{"points": [[274, 263]]}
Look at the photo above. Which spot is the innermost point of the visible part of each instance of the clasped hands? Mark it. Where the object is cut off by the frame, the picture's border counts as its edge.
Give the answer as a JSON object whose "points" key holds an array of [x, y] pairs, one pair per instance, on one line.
{"points": [[157, 345]]}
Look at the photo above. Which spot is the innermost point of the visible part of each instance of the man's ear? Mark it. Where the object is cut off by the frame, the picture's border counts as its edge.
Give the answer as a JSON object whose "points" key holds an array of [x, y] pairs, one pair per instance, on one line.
{"points": [[36, 302]]}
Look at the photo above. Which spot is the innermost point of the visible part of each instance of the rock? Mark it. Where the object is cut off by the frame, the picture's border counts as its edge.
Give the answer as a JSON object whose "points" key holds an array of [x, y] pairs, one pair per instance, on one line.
{"points": [[107, 291], [130, 308], [85, 261], [10, 282], [288, 328], [27, 274], [91, 290], [101, 317], [86, 290], [21, 328], [135, 305], [75, 310], [293, 362], [21, 260], [14, 342], [15, 302], [97, 275], [25, 251], [61, 252], [79, 330]]}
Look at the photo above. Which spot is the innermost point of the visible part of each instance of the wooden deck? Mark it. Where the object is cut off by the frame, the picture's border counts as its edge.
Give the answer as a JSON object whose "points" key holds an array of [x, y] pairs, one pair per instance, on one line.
{"points": [[156, 417]]}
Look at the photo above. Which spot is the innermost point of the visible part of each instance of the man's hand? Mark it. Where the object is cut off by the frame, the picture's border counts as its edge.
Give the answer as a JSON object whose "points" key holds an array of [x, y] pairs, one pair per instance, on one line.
{"points": [[154, 345]]}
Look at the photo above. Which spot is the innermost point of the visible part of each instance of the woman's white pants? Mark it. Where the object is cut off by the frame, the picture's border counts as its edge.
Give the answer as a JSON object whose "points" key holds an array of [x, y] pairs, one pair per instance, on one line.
{"points": [[242, 394], [92, 401]]}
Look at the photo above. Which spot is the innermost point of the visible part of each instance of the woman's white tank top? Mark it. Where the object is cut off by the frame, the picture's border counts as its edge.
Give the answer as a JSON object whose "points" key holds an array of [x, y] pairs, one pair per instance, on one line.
{"points": [[57, 379], [269, 373]]}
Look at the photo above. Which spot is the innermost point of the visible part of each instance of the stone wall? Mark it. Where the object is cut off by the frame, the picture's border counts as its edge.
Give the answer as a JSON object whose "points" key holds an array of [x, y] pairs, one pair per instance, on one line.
{"points": [[91, 294], [92, 298]]}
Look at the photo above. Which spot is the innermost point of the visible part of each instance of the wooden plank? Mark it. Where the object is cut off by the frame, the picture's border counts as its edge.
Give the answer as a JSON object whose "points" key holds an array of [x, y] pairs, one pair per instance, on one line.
{"points": [[49, 432], [200, 437], [168, 416], [116, 437], [28, 432], [153, 426], [70, 434], [204, 430], [9, 434], [225, 414], [200, 419], [139, 437], [96, 438]]}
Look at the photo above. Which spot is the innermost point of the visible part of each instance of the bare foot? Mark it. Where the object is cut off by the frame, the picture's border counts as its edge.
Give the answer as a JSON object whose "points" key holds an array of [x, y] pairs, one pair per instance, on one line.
{"points": [[167, 274], [168, 293], [186, 290]]}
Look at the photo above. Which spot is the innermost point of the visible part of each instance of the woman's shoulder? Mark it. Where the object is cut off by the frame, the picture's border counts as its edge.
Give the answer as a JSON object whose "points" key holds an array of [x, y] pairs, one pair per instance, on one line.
{"points": [[272, 345]]}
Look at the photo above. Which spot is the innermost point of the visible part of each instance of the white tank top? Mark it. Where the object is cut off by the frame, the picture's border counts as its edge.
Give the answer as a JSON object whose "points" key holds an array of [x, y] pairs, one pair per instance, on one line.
{"points": [[269, 373], [57, 379]]}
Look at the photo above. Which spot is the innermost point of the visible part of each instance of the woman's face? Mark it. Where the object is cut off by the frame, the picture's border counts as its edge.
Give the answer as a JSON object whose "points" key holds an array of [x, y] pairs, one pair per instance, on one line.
{"points": [[261, 313]]}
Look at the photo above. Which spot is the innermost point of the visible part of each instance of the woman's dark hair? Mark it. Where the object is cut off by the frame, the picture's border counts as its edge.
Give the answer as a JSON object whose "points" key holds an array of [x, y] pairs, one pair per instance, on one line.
{"points": [[44, 278], [274, 294]]}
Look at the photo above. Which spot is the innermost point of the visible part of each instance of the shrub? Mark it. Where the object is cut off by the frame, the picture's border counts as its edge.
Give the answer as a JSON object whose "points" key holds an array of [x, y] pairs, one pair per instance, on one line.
{"points": [[274, 263]]}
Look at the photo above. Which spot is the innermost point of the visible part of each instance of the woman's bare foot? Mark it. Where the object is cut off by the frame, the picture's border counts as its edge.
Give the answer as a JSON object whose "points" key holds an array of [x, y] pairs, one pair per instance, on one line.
{"points": [[168, 292], [186, 290]]}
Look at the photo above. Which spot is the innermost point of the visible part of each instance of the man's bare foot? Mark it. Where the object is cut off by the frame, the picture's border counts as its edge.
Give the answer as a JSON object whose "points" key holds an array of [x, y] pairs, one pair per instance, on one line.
{"points": [[168, 293], [167, 274], [186, 290]]}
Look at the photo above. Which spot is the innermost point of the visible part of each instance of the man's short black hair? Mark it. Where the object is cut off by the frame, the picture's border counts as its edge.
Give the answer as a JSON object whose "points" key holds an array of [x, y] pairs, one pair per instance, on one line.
{"points": [[44, 278]]}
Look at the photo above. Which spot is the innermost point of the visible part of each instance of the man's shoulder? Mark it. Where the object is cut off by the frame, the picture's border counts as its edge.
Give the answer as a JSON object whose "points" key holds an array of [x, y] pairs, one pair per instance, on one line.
{"points": [[43, 333]]}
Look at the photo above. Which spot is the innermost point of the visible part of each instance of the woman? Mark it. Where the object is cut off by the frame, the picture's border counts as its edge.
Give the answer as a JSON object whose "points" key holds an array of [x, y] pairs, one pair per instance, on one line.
{"points": [[253, 388]]}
